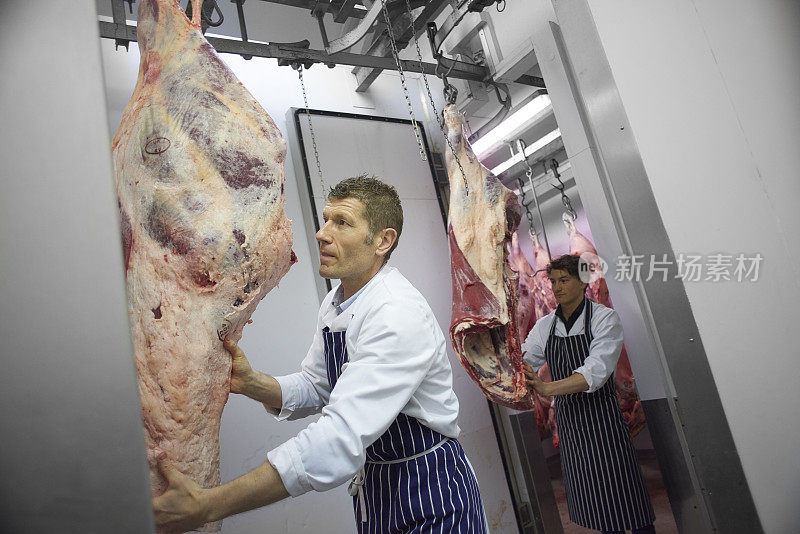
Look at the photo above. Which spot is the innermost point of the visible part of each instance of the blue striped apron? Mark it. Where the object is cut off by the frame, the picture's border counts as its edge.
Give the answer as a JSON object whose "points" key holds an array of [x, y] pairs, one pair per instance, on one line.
{"points": [[415, 479], [602, 477]]}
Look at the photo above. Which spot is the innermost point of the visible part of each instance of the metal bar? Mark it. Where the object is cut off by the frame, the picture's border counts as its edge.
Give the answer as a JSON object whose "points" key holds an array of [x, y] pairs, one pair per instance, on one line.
{"points": [[431, 11], [345, 12], [310, 4], [461, 70], [118, 11], [323, 33], [242, 24], [451, 22], [535, 81], [352, 37]]}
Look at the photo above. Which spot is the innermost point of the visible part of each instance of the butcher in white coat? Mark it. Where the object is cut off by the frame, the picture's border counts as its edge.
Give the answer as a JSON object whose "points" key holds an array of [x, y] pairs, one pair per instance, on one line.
{"points": [[378, 371]]}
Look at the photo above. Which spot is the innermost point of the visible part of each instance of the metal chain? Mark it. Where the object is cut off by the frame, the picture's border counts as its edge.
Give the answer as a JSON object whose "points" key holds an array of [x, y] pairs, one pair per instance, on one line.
{"points": [[311, 129], [564, 198], [396, 55], [439, 119], [529, 175]]}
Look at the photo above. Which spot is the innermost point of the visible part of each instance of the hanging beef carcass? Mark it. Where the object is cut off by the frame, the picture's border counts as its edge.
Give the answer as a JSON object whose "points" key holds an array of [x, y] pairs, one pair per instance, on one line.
{"points": [[544, 302], [483, 216], [199, 169], [530, 293], [597, 291], [526, 315]]}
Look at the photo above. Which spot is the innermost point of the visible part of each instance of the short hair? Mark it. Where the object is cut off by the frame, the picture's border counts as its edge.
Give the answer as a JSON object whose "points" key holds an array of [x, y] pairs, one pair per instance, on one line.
{"points": [[382, 207], [567, 262]]}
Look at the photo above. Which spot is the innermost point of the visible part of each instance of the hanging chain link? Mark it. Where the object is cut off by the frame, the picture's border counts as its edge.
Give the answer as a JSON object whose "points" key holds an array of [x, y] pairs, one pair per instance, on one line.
{"points": [[564, 198], [439, 119], [529, 176], [311, 129], [396, 56]]}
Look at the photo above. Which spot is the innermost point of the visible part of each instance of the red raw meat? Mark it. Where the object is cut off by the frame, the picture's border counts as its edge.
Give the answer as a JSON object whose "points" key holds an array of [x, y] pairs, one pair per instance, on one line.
{"points": [[544, 303], [526, 316], [199, 169], [597, 291], [483, 216], [544, 300]]}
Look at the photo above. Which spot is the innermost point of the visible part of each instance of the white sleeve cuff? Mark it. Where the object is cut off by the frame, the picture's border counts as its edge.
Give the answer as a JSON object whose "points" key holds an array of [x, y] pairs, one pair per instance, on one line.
{"points": [[287, 462], [290, 396], [587, 375]]}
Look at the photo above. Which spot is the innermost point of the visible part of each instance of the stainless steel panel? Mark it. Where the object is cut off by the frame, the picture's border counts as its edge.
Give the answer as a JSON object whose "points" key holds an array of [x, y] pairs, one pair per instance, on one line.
{"points": [[686, 508], [72, 453], [535, 475]]}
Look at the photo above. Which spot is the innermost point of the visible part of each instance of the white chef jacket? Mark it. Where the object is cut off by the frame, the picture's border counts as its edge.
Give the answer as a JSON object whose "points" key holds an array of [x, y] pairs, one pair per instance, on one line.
{"points": [[397, 362], [604, 349]]}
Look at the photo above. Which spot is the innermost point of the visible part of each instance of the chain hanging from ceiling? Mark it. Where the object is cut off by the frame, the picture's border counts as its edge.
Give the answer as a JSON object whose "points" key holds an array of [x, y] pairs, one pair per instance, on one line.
{"points": [[299, 67], [529, 175], [396, 56], [439, 118]]}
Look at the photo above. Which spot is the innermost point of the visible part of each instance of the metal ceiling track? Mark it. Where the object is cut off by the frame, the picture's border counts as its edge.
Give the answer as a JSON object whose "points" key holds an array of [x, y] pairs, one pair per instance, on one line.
{"points": [[299, 52], [375, 57]]}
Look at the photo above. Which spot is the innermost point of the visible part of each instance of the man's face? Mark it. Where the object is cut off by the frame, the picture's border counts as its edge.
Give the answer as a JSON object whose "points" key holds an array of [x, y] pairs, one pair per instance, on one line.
{"points": [[566, 288], [344, 253]]}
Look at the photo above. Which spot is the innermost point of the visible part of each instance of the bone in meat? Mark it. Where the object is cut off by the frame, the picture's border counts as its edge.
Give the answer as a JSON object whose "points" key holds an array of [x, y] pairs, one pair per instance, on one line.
{"points": [[483, 325], [199, 169], [597, 291]]}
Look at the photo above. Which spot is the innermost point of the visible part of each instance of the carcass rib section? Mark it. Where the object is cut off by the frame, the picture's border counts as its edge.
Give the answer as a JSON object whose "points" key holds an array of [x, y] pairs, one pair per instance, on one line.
{"points": [[483, 216], [544, 303], [526, 316], [200, 183]]}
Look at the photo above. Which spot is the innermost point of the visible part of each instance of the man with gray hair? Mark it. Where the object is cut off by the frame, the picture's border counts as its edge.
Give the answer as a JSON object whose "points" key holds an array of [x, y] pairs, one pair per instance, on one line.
{"points": [[378, 371]]}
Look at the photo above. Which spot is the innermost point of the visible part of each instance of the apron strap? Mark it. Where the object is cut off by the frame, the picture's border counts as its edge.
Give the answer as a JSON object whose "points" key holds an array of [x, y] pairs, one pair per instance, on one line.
{"points": [[587, 320], [356, 487]]}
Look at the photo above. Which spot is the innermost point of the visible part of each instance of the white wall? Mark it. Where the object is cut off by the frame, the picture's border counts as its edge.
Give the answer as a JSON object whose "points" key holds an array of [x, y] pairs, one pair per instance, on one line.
{"points": [[283, 323], [71, 437], [711, 90]]}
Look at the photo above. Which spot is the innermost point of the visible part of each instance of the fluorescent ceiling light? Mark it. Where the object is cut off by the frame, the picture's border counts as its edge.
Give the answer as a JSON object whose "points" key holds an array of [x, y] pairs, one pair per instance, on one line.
{"points": [[538, 145], [531, 111]]}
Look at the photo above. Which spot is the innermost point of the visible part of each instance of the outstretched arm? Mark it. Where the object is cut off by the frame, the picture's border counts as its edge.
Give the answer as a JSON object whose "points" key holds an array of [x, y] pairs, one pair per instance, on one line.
{"points": [[575, 383], [186, 506], [246, 381]]}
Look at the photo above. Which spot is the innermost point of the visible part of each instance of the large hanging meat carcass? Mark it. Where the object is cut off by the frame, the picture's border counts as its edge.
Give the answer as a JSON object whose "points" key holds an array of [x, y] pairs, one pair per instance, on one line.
{"points": [[483, 215], [534, 289], [199, 169]]}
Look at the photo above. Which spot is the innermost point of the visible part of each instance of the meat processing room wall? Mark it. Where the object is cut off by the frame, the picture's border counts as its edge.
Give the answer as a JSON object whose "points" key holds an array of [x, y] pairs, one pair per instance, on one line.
{"points": [[720, 168], [283, 323]]}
